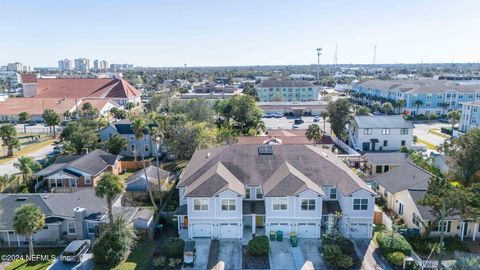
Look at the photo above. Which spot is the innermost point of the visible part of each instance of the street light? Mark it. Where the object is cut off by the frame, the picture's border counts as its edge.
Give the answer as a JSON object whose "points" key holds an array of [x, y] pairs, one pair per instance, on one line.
{"points": [[319, 52]]}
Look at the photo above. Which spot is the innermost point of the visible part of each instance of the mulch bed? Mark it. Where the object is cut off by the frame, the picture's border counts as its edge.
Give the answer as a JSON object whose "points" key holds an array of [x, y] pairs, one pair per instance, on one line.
{"points": [[254, 262]]}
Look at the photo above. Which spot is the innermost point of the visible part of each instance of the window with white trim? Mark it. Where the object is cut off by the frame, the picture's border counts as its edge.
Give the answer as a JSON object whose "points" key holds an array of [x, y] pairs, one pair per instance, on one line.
{"points": [[385, 131], [88, 180], [333, 194], [247, 193], [367, 131], [258, 193], [200, 204], [403, 131], [416, 219], [91, 227], [400, 208], [279, 203], [71, 228], [308, 204], [228, 205], [360, 204]]}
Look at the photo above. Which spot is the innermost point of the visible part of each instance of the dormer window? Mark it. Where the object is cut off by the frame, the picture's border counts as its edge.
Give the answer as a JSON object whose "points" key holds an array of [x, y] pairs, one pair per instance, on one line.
{"points": [[258, 193], [247, 193], [333, 194]]}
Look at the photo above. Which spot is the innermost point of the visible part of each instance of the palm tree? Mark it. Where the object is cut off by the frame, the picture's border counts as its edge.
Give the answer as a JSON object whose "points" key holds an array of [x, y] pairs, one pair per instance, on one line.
{"points": [[5, 180], [376, 105], [323, 93], [67, 115], [27, 166], [324, 115], [109, 186], [28, 220], [314, 134], [138, 127], [24, 117], [454, 117], [8, 134], [361, 110], [52, 119], [261, 127], [387, 107], [418, 103], [400, 104], [157, 137], [444, 106]]}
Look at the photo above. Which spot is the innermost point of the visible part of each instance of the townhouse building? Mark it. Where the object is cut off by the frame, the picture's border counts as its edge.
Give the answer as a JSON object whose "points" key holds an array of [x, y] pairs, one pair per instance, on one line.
{"points": [[380, 132], [239, 191], [286, 90], [470, 117], [426, 96]]}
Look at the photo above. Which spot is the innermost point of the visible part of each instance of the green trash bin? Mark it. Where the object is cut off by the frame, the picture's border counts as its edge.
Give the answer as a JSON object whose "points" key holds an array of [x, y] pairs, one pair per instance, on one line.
{"points": [[279, 236], [174, 221], [272, 235], [294, 241]]}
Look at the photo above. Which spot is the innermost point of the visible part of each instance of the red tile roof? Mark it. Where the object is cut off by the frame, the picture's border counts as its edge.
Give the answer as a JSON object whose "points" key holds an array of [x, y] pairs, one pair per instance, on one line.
{"points": [[35, 106], [28, 78], [80, 88]]}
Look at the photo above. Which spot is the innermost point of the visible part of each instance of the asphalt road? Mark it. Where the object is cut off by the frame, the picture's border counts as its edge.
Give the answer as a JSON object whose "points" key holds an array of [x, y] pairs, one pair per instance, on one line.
{"points": [[287, 123], [8, 167]]}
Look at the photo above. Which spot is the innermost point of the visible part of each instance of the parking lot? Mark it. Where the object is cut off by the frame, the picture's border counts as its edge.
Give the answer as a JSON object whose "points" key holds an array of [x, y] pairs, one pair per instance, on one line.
{"points": [[287, 123]]}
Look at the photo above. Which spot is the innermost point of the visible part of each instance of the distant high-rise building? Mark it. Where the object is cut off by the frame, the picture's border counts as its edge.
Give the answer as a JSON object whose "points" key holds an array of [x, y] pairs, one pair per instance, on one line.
{"points": [[100, 65], [121, 66], [15, 67], [65, 64], [82, 64], [104, 64]]}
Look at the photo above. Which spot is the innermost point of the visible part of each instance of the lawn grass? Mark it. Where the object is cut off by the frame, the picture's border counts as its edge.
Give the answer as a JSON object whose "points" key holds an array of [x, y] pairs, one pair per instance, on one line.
{"points": [[140, 258], [37, 265], [27, 150]]}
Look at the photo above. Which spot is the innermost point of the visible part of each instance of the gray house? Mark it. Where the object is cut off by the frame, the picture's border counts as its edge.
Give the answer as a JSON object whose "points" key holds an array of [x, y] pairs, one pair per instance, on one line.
{"points": [[68, 216], [134, 148]]}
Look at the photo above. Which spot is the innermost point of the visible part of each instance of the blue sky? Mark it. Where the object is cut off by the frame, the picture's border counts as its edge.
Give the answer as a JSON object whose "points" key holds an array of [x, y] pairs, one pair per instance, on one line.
{"points": [[247, 32]]}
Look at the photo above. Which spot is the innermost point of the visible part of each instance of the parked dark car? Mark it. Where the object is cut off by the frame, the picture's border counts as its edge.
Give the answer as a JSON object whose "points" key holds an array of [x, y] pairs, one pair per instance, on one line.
{"points": [[298, 121], [75, 251]]}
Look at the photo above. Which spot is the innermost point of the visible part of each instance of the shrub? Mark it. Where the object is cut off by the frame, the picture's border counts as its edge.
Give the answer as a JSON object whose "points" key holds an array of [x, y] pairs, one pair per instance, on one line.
{"points": [[114, 244], [380, 228], [160, 262], [331, 253], [454, 243], [173, 247], [346, 246], [396, 258], [259, 246], [387, 245], [344, 261]]}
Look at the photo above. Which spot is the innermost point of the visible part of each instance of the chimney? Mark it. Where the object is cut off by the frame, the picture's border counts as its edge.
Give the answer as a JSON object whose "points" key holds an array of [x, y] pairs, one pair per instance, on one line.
{"points": [[80, 226], [118, 75], [29, 85]]}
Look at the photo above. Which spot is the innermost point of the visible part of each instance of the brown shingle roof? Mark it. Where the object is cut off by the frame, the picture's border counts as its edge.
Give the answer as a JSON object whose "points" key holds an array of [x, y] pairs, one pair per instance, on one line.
{"points": [[244, 162]]}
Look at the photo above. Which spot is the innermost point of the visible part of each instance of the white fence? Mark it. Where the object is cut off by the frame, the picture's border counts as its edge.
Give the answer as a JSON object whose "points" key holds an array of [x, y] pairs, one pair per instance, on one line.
{"points": [[431, 264], [387, 221]]}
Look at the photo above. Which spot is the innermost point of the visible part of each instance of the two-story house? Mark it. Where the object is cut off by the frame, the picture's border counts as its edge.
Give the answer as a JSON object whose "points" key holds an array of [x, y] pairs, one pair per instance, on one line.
{"points": [[75, 171], [238, 191], [380, 132], [135, 147]]}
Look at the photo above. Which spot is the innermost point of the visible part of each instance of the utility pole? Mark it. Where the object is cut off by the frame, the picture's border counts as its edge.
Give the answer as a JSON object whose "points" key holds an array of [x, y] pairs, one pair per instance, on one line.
{"points": [[319, 52]]}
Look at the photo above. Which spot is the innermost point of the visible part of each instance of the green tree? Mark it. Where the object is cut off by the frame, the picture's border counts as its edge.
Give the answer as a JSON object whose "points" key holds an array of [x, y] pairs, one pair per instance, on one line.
{"points": [[67, 115], [463, 156], [242, 110], [116, 144], [89, 111], [24, 117], [314, 134], [324, 115], [27, 166], [399, 104], [376, 106], [109, 187], [417, 104], [8, 134], [5, 180], [249, 89], [185, 139], [339, 112], [118, 113], [114, 243], [197, 110], [387, 107], [361, 110], [157, 136], [454, 117], [139, 128], [28, 220], [80, 135], [52, 119]]}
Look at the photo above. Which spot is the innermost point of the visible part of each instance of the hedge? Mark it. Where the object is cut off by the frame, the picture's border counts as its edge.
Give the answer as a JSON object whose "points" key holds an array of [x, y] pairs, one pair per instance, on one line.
{"points": [[259, 246], [396, 258], [399, 243], [173, 247]]}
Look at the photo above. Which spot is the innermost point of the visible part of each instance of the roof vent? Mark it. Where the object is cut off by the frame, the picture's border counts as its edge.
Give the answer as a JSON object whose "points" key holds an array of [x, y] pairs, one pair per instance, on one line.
{"points": [[265, 150], [21, 199], [208, 155]]}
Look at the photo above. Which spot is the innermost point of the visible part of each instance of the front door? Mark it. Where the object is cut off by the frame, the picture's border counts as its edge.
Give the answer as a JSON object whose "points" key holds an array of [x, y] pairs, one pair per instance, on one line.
{"points": [[465, 229]]}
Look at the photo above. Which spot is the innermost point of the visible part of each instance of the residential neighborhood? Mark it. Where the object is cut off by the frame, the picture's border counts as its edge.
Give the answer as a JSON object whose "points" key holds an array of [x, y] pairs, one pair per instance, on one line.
{"points": [[229, 135]]}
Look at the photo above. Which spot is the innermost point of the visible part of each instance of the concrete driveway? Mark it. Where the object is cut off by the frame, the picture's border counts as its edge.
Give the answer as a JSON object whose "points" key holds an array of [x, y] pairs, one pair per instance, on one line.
{"points": [[281, 255], [309, 256], [369, 253], [230, 254], [86, 264], [203, 249]]}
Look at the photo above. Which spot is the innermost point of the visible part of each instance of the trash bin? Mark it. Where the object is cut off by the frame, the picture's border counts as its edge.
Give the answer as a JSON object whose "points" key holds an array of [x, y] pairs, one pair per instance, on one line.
{"points": [[279, 236], [294, 241], [272, 235]]}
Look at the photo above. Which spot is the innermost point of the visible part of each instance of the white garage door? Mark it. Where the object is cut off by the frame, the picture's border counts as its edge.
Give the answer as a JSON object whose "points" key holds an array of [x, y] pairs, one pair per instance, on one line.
{"points": [[280, 227], [229, 230], [307, 230], [359, 230], [201, 230]]}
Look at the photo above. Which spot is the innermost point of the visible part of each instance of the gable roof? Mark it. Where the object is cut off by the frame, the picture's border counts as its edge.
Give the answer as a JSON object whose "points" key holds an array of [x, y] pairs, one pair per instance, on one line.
{"points": [[405, 176], [382, 121], [386, 158], [246, 165], [85, 87], [214, 181], [288, 181]]}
